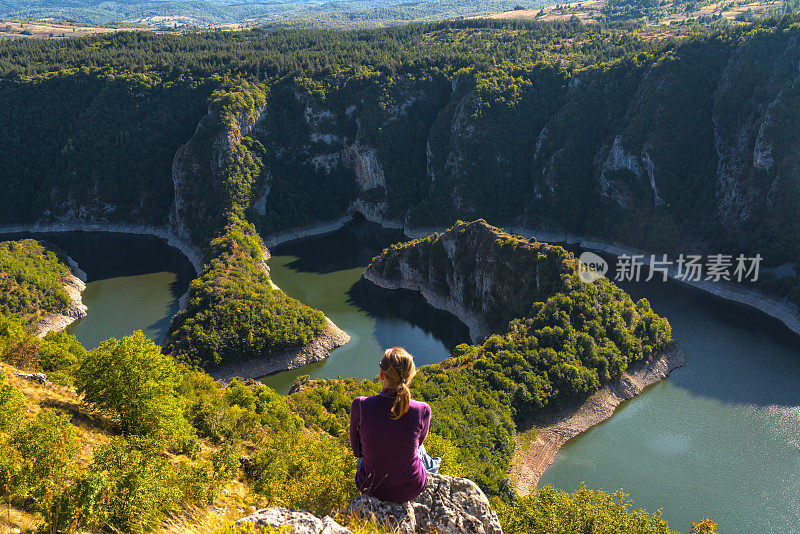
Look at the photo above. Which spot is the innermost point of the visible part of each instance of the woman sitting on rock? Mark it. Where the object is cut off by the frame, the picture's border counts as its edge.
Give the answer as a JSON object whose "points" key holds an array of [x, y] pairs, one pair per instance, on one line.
{"points": [[387, 431]]}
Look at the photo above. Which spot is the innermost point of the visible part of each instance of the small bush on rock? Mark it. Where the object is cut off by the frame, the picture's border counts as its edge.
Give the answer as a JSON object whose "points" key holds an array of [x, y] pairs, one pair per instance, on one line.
{"points": [[551, 510]]}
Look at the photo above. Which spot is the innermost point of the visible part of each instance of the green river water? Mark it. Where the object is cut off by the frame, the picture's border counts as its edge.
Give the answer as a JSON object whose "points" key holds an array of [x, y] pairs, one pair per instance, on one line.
{"points": [[720, 437]]}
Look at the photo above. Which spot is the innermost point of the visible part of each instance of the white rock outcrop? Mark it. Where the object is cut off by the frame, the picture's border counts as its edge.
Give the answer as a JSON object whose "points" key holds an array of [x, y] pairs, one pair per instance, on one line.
{"points": [[447, 505], [300, 522]]}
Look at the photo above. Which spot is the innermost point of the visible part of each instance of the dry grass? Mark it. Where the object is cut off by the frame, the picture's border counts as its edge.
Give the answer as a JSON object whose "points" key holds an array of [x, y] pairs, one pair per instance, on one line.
{"points": [[210, 520], [44, 29], [364, 526], [15, 520], [217, 520], [93, 429]]}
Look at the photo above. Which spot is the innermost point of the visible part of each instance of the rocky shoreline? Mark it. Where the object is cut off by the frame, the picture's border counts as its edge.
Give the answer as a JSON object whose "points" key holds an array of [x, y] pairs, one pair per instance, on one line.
{"points": [[557, 427], [57, 321], [316, 350], [306, 231]]}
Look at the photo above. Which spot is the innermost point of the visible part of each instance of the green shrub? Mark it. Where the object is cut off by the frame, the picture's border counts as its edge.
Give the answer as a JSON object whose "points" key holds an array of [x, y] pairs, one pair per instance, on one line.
{"points": [[552, 511], [60, 355], [133, 380], [11, 403], [304, 470], [11, 331], [132, 484], [48, 448], [137, 486]]}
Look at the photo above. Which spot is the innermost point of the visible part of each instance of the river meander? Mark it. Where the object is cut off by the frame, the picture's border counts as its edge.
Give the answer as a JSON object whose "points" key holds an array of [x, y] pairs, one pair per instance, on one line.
{"points": [[720, 437], [325, 272]]}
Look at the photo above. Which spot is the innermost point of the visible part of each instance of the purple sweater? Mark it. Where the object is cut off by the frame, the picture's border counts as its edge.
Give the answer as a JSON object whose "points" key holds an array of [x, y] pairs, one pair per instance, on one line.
{"points": [[391, 469]]}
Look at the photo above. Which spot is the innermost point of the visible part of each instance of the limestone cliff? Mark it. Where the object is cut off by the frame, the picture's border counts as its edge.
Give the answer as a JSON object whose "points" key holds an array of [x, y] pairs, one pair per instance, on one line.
{"points": [[480, 273]]}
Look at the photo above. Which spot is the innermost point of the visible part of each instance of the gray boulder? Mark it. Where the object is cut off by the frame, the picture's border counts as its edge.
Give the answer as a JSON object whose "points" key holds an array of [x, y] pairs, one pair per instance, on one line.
{"points": [[39, 378], [447, 505], [300, 522]]}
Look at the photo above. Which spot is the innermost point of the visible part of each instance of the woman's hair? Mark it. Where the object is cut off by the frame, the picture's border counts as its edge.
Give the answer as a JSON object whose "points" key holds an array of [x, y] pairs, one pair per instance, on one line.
{"points": [[398, 368]]}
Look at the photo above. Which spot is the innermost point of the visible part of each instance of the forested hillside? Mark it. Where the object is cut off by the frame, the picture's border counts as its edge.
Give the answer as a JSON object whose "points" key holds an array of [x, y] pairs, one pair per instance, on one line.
{"points": [[31, 278], [668, 144]]}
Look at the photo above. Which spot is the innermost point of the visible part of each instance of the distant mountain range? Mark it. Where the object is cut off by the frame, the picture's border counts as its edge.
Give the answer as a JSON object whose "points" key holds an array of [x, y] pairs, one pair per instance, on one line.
{"points": [[300, 13]]}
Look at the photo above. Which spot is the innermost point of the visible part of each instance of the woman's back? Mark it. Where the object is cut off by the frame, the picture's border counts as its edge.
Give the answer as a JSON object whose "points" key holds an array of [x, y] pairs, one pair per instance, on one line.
{"points": [[391, 470]]}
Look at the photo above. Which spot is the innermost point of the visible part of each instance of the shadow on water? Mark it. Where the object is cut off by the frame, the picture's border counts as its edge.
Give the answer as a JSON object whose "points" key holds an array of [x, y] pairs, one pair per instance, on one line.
{"points": [[176, 289], [354, 245], [408, 306], [325, 272], [134, 282], [735, 353], [103, 255]]}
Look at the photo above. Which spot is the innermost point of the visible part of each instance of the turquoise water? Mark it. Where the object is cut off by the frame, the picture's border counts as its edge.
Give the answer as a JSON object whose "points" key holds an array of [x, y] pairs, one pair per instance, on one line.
{"points": [[119, 305], [324, 272], [133, 282], [720, 437]]}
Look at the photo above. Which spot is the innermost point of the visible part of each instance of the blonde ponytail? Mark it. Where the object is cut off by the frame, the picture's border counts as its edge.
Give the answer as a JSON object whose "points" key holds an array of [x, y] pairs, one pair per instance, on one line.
{"points": [[399, 369]]}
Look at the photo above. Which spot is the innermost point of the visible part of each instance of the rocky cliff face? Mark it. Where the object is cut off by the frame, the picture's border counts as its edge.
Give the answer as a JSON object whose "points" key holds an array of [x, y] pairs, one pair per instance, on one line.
{"points": [[198, 166], [648, 154], [480, 273]]}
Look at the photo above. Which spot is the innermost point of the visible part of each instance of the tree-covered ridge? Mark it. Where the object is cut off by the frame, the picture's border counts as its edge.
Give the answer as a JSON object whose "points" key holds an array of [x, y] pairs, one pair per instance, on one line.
{"points": [[494, 273], [320, 54], [31, 279], [567, 339], [233, 312]]}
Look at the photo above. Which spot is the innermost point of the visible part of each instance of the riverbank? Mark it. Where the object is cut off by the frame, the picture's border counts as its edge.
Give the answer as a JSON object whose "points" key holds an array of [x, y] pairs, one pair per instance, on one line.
{"points": [[316, 350], [557, 427], [57, 321], [192, 252], [326, 227], [778, 308]]}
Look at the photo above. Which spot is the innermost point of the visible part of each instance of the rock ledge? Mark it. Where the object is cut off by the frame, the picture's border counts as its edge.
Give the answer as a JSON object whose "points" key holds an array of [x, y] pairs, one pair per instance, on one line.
{"points": [[447, 505]]}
